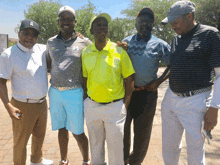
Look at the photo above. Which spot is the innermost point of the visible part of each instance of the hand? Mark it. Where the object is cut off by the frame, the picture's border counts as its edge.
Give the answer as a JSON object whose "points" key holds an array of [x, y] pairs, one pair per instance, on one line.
{"points": [[153, 85], [14, 112], [124, 45], [210, 118], [79, 35]]}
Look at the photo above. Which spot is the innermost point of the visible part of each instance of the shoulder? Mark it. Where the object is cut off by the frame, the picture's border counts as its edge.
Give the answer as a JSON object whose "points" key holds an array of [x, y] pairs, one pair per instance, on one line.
{"points": [[52, 39], [204, 28], [158, 40], [87, 49], [40, 47], [85, 41], [9, 51], [128, 39]]}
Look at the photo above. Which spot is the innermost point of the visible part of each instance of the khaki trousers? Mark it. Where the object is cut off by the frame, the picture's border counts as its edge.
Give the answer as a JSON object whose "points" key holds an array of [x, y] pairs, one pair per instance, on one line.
{"points": [[105, 123], [33, 121]]}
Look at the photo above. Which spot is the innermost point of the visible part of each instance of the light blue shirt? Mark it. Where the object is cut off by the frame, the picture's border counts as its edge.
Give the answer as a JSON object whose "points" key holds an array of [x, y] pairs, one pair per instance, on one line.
{"points": [[145, 55]]}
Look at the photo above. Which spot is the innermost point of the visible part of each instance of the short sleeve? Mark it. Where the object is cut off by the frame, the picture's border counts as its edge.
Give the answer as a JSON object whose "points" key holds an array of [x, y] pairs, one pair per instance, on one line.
{"points": [[126, 65], [214, 48], [85, 74], [165, 51], [127, 39], [6, 66]]}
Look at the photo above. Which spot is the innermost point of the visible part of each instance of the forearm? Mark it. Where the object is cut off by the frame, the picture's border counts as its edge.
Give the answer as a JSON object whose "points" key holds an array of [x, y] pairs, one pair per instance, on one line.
{"points": [[85, 88], [165, 75], [129, 88], [4, 93]]}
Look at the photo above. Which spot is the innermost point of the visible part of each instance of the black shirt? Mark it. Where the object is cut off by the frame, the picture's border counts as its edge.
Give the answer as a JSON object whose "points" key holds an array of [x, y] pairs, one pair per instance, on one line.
{"points": [[193, 59]]}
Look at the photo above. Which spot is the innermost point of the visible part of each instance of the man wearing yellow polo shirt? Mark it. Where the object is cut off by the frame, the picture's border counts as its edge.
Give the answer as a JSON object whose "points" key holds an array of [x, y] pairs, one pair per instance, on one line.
{"points": [[105, 69]]}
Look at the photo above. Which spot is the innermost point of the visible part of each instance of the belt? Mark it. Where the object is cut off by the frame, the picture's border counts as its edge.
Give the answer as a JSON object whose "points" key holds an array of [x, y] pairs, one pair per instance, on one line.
{"points": [[31, 100], [194, 92], [67, 88], [106, 102]]}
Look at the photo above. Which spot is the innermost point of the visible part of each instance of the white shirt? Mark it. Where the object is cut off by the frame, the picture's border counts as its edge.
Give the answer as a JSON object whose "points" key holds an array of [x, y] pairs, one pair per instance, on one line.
{"points": [[27, 70], [215, 102]]}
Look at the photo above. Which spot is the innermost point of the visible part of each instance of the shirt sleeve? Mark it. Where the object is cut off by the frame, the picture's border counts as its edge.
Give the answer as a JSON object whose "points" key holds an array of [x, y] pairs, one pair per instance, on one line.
{"points": [[165, 51], [215, 102], [126, 65], [214, 48], [6, 66]]}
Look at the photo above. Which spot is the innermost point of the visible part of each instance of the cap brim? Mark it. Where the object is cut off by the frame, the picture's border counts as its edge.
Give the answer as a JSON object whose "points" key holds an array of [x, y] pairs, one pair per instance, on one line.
{"points": [[169, 19], [104, 15]]}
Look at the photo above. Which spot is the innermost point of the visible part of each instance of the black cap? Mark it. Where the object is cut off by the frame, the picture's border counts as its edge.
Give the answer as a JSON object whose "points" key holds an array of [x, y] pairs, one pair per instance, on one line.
{"points": [[29, 24], [146, 11]]}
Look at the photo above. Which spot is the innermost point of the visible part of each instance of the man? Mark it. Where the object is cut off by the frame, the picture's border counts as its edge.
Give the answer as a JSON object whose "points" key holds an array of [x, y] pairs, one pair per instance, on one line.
{"points": [[25, 65], [145, 51], [195, 55], [105, 67], [66, 92]]}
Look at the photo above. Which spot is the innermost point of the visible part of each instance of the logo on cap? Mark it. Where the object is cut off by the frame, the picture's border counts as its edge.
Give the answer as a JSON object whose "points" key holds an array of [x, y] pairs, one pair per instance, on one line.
{"points": [[32, 23]]}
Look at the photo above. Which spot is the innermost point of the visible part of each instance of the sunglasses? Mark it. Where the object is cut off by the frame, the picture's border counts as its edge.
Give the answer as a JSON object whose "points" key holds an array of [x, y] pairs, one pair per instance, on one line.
{"points": [[27, 33], [70, 19]]}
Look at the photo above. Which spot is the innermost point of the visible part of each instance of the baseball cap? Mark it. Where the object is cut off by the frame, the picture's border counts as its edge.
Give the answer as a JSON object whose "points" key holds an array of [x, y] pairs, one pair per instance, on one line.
{"points": [[29, 24], [104, 15], [67, 8], [177, 9], [146, 11]]}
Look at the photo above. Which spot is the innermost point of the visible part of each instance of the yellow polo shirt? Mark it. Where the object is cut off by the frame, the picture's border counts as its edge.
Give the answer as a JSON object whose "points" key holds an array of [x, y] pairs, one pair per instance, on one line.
{"points": [[105, 71]]}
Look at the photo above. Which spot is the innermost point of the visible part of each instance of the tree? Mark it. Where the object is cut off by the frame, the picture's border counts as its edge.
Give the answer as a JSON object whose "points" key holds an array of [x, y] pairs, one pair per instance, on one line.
{"points": [[45, 13], [83, 17], [119, 28], [160, 8], [208, 12]]}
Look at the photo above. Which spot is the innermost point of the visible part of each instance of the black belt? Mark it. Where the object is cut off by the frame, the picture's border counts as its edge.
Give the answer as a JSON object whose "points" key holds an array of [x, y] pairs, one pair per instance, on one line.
{"points": [[105, 103], [194, 92]]}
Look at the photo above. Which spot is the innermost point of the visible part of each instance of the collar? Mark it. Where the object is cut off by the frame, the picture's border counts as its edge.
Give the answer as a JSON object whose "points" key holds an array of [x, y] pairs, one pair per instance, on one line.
{"points": [[24, 49], [192, 31], [73, 37], [106, 48], [146, 39]]}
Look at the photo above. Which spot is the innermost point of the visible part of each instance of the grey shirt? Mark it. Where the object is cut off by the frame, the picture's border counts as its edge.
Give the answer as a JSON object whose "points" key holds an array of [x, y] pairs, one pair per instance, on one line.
{"points": [[64, 60]]}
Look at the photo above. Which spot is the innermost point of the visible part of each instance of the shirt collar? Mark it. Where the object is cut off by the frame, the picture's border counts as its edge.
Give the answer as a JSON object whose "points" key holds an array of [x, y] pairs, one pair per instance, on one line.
{"points": [[24, 49], [192, 31], [73, 37], [146, 39], [106, 48]]}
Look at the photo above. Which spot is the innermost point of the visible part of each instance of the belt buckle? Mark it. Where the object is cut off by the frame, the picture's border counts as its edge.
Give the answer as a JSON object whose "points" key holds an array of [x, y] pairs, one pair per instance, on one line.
{"points": [[60, 88]]}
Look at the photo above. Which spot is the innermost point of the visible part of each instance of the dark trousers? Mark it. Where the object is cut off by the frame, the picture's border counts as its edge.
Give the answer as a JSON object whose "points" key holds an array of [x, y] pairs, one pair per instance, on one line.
{"points": [[141, 110]]}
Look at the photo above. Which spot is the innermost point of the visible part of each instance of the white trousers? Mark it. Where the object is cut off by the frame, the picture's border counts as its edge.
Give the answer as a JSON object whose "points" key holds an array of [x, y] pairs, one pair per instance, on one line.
{"points": [[179, 113], [105, 122]]}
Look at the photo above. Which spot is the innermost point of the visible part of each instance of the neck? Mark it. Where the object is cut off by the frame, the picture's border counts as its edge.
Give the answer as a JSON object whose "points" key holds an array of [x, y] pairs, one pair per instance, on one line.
{"points": [[66, 35], [100, 44]]}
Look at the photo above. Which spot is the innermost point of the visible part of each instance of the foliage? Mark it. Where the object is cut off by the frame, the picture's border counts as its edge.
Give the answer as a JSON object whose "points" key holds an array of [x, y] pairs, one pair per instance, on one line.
{"points": [[45, 13], [208, 12], [119, 28], [83, 17], [160, 8]]}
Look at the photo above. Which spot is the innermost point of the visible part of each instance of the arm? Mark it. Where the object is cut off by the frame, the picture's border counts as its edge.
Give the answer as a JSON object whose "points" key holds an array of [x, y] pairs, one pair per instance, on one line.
{"points": [[124, 45], [4, 97], [129, 87], [85, 87], [211, 116], [153, 85]]}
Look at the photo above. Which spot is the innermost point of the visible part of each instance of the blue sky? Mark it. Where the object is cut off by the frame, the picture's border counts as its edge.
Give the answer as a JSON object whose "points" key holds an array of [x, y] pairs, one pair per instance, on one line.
{"points": [[12, 11]]}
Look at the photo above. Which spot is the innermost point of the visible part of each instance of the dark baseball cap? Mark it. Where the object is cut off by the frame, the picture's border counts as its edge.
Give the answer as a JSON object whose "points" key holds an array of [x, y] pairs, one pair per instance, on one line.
{"points": [[146, 11], [29, 24], [177, 9]]}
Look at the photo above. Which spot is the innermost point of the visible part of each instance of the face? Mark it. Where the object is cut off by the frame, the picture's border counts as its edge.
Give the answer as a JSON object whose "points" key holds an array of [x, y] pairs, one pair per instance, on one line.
{"points": [[100, 29], [144, 25], [181, 25], [67, 22], [28, 37]]}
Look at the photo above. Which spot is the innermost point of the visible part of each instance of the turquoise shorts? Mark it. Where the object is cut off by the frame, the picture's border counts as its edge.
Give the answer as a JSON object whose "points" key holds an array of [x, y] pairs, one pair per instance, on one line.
{"points": [[66, 109]]}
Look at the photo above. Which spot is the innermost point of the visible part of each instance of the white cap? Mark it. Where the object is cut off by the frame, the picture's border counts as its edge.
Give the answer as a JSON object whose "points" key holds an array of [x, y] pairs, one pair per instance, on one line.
{"points": [[67, 8]]}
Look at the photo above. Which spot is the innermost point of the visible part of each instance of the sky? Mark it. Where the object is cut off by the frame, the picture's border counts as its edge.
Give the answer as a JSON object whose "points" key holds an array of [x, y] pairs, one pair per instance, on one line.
{"points": [[12, 11]]}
